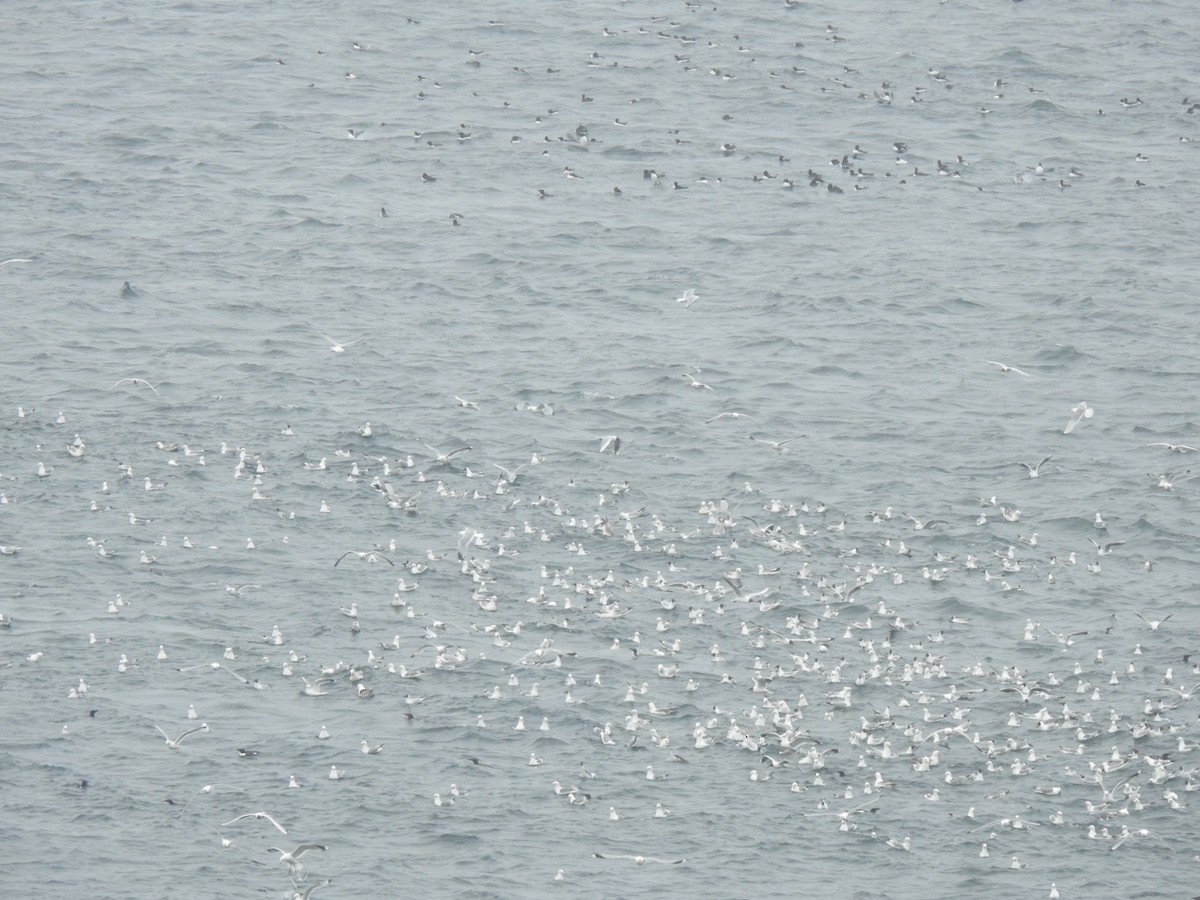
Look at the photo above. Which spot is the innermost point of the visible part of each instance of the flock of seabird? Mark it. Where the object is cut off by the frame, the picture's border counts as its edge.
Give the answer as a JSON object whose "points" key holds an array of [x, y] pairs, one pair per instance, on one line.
{"points": [[821, 652], [824, 63], [825, 652]]}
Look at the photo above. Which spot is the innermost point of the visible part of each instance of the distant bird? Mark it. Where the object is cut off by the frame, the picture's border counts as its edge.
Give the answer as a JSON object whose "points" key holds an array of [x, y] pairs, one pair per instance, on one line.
{"points": [[293, 858], [466, 541], [308, 891], [730, 415], [689, 297], [175, 744], [777, 446], [1152, 623], [1165, 480], [610, 442], [337, 346], [1005, 368], [257, 815], [367, 555], [440, 457], [140, 381], [641, 860], [1078, 414], [1036, 471]]}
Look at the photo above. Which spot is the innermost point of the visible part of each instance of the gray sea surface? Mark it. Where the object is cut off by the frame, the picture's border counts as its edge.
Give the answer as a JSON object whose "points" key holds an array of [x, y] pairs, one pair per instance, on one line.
{"points": [[854, 641]]}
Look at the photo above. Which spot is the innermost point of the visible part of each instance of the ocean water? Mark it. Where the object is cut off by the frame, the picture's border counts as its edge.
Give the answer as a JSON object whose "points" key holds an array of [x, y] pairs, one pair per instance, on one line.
{"points": [[193, 196]]}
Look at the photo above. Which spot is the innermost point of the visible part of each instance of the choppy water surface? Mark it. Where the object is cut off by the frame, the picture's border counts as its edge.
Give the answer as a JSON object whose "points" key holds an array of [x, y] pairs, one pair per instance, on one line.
{"points": [[842, 619]]}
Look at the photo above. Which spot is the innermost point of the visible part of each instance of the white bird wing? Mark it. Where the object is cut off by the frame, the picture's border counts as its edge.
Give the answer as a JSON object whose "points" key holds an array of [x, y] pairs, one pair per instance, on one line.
{"points": [[179, 740], [467, 539], [233, 673], [1078, 414], [263, 815]]}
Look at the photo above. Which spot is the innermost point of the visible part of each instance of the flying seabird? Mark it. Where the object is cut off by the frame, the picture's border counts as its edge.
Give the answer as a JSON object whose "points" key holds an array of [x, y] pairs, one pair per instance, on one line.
{"points": [[440, 457], [175, 744], [1006, 368], [140, 381], [368, 555], [1152, 622], [1035, 471], [1078, 414], [730, 415], [641, 860], [689, 297], [256, 815], [293, 858], [337, 346]]}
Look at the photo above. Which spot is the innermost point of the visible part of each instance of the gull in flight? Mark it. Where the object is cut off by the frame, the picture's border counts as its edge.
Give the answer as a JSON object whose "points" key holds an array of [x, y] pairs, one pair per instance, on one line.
{"points": [[469, 537], [1166, 480], [1004, 368], [315, 688], [140, 381], [395, 501], [1176, 448], [1036, 471], [1154, 623], [1105, 549], [368, 555], [1078, 414], [175, 744], [1064, 639], [292, 859], [610, 442], [335, 346], [922, 524], [440, 457], [777, 446], [510, 475], [730, 415], [641, 860], [689, 297], [256, 815], [216, 665], [312, 887]]}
